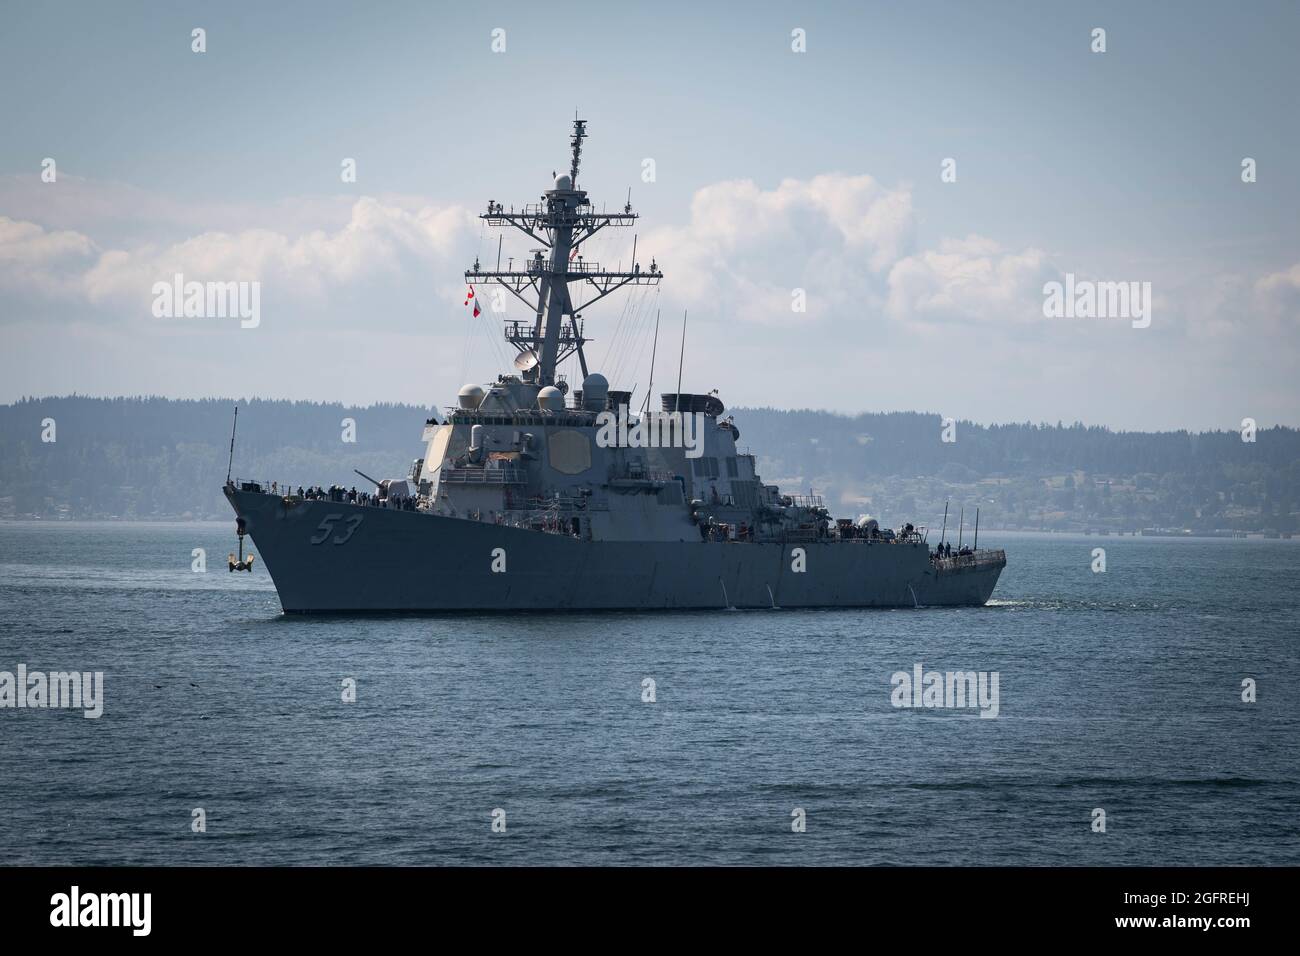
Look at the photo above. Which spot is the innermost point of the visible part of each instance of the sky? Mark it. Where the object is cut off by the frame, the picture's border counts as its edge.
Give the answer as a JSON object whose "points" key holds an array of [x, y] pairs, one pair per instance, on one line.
{"points": [[773, 171]]}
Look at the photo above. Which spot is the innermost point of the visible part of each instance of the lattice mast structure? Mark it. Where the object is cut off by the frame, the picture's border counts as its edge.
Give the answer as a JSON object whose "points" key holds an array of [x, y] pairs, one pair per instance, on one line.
{"points": [[556, 273]]}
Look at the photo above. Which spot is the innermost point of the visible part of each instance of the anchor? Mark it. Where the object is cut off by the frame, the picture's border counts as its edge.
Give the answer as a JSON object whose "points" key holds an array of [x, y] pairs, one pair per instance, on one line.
{"points": [[241, 529]]}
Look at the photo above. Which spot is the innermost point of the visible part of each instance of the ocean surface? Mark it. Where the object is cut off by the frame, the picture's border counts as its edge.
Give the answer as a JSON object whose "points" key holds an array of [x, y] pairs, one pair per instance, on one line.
{"points": [[1120, 691]]}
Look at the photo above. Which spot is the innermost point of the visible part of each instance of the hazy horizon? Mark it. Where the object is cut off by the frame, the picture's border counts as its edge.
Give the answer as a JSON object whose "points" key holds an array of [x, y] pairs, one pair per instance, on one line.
{"points": [[242, 400]]}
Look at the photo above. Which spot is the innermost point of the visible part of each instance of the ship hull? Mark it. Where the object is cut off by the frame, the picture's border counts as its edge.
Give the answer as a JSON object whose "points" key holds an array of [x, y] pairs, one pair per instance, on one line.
{"points": [[332, 557]]}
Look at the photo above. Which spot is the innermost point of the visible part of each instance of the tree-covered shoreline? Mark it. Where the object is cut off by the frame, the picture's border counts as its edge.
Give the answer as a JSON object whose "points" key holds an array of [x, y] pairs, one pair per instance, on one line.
{"points": [[159, 458]]}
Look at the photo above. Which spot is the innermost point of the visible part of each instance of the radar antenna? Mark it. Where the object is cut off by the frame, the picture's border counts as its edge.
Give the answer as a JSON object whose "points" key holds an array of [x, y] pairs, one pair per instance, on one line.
{"points": [[579, 134]]}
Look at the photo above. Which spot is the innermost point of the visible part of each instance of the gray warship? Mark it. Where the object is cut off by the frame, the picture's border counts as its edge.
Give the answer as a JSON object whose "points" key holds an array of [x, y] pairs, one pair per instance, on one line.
{"points": [[534, 496]]}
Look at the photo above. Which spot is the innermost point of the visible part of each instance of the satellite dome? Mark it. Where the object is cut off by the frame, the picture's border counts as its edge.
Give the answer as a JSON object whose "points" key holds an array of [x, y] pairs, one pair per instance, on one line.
{"points": [[595, 392], [562, 181], [470, 396], [551, 399]]}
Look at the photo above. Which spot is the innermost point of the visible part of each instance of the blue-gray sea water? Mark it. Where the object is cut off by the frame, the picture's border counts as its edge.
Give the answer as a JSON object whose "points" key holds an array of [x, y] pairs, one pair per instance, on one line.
{"points": [[1120, 691]]}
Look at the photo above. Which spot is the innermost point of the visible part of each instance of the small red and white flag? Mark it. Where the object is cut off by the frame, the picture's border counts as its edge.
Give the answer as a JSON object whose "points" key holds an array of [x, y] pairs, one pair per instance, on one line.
{"points": [[470, 296]]}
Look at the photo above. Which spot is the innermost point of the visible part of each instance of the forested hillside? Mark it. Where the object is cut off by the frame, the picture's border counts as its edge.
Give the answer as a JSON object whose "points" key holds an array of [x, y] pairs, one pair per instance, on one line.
{"points": [[157, 458]]}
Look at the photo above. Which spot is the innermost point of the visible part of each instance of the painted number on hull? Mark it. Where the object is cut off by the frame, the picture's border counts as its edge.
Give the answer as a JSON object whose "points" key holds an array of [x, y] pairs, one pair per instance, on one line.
{"points": [[326, 528]]}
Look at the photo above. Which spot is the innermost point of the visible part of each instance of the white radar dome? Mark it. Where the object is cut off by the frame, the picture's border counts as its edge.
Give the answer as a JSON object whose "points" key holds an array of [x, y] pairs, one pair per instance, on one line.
{"points": [[470, 396], [551, 399], [595, 392]]}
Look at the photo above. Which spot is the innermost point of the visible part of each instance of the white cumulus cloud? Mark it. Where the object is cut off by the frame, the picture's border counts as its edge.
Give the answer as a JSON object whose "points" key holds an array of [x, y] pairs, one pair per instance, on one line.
{"points": [[376, 241], [1278, 294], [745, 250], [35, 262], [971, 279]]}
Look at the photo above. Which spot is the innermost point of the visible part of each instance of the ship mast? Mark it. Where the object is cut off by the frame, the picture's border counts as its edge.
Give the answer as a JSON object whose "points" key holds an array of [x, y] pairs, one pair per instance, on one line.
{"points": [[560, 224]]}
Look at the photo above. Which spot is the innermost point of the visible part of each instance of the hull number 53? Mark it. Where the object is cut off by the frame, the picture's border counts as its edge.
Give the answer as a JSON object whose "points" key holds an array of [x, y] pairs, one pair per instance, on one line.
{"points": [[327, 525]]}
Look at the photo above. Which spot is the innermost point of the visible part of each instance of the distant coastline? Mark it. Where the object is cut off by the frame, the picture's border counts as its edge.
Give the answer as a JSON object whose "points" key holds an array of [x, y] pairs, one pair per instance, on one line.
{"points": [[158, 459]]}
